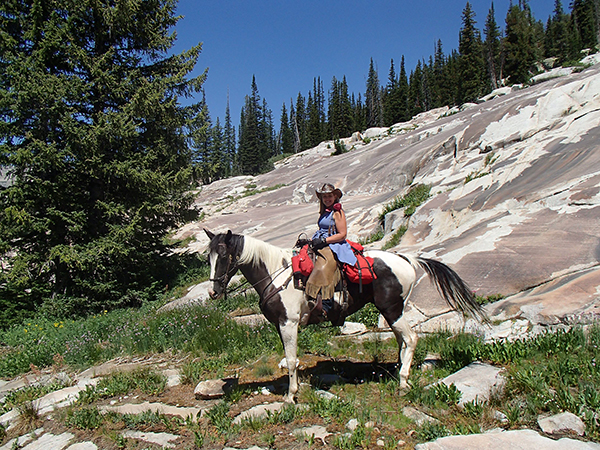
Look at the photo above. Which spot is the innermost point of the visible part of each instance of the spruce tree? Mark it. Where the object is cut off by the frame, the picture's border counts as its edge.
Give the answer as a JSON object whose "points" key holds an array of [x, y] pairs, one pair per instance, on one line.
{"points": [[92, 134], [286, 136], [404, 112], [200, 134], [301, 121], [250, 149], [373, 100], [585, 16], [523, 44], [392, 106], [472, 67], [492, 49], [229, 144], [415, 100]]}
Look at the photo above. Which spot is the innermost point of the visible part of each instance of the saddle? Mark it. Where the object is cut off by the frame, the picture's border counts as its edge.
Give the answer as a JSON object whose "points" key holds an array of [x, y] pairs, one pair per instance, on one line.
{"points": [[361, 273]]}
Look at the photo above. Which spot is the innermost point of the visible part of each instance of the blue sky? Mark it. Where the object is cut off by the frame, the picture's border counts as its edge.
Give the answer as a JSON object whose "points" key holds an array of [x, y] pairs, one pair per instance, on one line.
{"points": [[285, 43]]}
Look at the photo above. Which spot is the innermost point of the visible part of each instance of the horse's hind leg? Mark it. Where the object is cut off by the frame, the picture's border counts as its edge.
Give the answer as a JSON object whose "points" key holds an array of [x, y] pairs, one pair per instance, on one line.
{"points": [[289, 337], [407, 343]]}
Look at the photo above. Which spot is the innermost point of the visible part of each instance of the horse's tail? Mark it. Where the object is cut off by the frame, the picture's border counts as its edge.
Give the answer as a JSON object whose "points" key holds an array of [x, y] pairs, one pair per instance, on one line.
{"points": [[451, 287]]}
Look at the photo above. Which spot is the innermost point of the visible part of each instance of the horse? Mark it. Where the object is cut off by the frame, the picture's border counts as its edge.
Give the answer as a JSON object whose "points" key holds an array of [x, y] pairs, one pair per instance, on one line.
{"points": [[268, 269]]}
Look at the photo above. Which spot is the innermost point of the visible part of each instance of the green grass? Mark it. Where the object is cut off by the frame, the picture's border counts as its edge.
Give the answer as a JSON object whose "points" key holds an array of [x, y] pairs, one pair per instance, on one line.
{"points": [[549, 373], [415, 197], [374, 237], [395, 238]]}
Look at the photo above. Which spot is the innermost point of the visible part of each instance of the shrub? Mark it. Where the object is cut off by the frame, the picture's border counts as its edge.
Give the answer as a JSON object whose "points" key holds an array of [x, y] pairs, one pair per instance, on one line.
{"points": [[84, 418], [340, 148], [415, 197]]}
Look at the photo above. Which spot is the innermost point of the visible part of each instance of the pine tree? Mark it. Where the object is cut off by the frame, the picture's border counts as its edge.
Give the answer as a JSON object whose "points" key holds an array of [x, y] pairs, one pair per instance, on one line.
{"points": [[492, 48], [585, 17], [286, 136], [523, 44], [200, 134], [294, 128], [415, 100], [404, 112], [93, 136], [314, 133], [301, 122], [373, 101], [229, 145], [250, 149], [392, 106], [217, 160], [472, 68]]}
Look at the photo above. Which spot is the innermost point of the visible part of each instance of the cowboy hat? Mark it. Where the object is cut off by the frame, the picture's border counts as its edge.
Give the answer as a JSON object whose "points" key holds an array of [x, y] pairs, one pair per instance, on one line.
{"points": [[329, 188]]}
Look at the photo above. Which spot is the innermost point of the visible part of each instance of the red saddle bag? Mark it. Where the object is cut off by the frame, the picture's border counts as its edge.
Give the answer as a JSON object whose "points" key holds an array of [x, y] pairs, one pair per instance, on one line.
{"points": [[362, 272], [301, 263]]}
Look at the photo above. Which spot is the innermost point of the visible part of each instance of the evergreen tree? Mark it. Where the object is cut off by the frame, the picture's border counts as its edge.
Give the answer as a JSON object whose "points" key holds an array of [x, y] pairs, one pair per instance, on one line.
{"points": [[251, 146], [585, 16], [229, 145], [404, 112], [392, 112], [472, 68], [301, 121], [415, 100], [93, 137], [373, 100], [359, 119], [492, 48], [267, 136], [523, 45], [340, 118], [314, 133], [294, 128], [286, 136], [217, 160], [200, 134]]}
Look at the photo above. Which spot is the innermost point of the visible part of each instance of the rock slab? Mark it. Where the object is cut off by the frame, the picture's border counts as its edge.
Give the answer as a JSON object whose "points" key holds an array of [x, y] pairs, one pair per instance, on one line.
{"points": [[476, 382], [506, 440]]}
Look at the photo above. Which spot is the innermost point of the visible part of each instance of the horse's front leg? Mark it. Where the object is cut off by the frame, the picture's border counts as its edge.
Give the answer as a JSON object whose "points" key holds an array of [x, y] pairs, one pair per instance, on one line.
{"points": [[289, 337]]}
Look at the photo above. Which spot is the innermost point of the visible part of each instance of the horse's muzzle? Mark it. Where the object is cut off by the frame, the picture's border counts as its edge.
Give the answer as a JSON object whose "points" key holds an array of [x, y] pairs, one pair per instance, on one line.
{"points": [[214, 295]]}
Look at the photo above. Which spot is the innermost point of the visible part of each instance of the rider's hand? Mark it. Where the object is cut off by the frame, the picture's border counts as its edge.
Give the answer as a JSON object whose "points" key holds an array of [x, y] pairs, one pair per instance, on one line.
{"points": [[318, 243], [302, 242]]}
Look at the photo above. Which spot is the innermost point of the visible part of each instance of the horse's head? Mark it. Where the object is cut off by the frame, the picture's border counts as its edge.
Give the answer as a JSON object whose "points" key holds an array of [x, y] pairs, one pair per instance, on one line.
{"points": [[224, 253]]}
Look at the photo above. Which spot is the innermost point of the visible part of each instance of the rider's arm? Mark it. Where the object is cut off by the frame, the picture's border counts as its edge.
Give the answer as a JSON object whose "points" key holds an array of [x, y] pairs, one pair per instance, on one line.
{"points": [[340, 226]]}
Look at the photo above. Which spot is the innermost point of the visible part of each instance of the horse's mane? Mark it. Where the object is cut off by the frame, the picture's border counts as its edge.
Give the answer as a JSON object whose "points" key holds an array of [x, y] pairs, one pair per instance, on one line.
{"points": [[256, 251]]}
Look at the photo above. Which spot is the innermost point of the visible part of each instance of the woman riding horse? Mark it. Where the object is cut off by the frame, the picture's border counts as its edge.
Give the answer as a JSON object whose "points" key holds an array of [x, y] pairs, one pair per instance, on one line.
{"points": [[329, 244]]}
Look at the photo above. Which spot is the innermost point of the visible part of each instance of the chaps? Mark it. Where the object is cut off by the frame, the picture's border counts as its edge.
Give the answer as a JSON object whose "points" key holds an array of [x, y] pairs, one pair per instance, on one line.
{"points": [[325, 275]]}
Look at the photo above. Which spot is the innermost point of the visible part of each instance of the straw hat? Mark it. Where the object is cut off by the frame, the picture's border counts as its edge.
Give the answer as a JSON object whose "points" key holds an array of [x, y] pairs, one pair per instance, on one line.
{"points": [[328, 188]]}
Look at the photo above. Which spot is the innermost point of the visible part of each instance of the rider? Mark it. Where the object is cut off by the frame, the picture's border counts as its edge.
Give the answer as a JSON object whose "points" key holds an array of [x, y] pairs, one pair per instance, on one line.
{"points": [[328, 241]]}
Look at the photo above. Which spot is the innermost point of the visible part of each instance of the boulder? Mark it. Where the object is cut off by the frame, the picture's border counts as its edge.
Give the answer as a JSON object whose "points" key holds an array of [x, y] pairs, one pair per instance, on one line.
{"points": [[562, 423], [211, 389]]}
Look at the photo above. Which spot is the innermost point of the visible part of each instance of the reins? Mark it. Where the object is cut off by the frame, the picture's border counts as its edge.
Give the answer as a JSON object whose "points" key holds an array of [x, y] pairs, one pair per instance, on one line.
{"points": [[253, 285]]}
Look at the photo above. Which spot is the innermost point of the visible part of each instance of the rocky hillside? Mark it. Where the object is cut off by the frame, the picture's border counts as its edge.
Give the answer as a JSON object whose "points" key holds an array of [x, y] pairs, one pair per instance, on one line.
{"points": [[514, 206]]}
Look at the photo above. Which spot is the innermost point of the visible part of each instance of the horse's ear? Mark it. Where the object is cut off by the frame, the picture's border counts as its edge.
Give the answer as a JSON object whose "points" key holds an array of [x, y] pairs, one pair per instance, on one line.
{"points": [[228, 236], [209, 233]]}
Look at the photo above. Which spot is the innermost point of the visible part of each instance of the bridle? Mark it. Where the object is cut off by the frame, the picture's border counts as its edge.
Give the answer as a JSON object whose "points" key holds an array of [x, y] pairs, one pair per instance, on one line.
{"points": [[232, 267]]}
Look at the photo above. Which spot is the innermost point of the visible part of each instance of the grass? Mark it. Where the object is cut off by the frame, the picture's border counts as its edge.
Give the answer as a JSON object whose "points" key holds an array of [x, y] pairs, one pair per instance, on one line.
{"points": [[395, 238], [549, 373], [415, 197]]}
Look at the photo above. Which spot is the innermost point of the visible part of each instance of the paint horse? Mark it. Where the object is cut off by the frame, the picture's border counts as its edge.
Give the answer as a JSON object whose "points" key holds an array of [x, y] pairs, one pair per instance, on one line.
{"points": [[269, 270]]}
